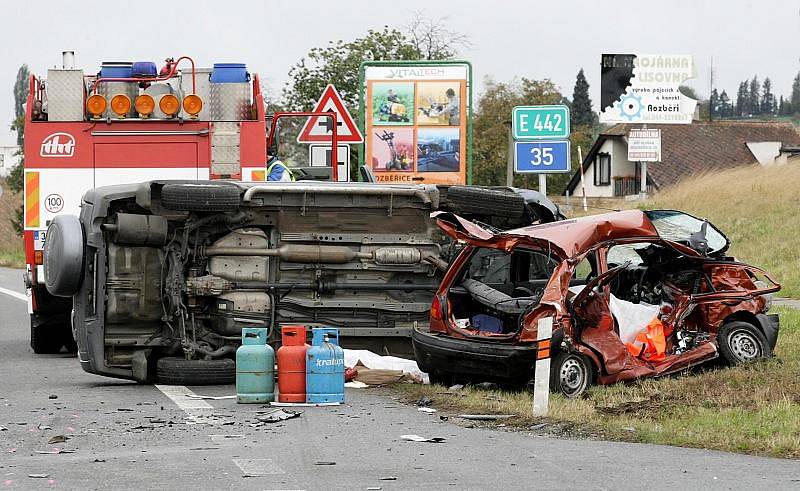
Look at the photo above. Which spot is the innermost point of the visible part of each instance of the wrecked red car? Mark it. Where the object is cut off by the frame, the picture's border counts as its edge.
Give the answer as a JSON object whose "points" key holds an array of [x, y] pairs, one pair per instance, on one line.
{"points": [[631, 294]]}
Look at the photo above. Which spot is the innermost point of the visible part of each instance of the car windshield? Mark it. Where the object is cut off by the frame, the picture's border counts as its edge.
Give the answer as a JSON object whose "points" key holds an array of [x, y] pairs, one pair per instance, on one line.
{"points": [[679, 227]]}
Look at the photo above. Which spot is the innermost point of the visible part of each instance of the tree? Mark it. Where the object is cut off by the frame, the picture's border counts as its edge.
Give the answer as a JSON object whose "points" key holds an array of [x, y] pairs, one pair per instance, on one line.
{"points": [[16, 176], [581, 105], [784, 108], [491, 126], [725, 106], [767, 98], [742, 100], [754, 100], [713, 103], [795, 100], [432, 37]]}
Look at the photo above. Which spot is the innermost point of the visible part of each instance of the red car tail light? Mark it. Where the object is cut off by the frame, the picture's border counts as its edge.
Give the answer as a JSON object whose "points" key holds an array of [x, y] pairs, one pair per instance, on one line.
{"points": [[436, 309]]}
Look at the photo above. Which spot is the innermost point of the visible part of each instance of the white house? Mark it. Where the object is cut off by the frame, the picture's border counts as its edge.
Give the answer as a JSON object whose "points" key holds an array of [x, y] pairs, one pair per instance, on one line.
{"points": [[686, 149], [8, 159]]}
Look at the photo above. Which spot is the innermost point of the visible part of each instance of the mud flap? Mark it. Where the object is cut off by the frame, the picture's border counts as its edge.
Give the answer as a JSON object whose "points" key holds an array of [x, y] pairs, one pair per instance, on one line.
{"points": [[141, 369]]}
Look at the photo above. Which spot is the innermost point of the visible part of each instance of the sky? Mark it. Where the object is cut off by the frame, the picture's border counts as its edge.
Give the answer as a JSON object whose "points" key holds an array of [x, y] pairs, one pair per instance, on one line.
{"points": [[521, 38]]}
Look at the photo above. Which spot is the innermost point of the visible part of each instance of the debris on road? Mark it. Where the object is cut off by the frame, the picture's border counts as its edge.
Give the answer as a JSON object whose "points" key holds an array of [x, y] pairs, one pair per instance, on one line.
{"points": [[389, 478], [455, 388], [485, 417], [424, 401], [355, 384], [54, 451], [52, 396], [39, 476], [210, 398], [44, 427], [278, 415], [422, 439], [428, 410], [57, 439], [325, 463]]}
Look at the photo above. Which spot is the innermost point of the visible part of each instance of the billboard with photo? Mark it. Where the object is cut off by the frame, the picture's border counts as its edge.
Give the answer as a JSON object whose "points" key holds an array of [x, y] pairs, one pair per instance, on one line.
{"points": [[416, 121]]}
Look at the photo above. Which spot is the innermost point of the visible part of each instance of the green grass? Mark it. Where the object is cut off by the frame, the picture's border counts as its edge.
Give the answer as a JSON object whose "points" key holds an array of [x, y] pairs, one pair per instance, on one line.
{"points": [[752, 409], [12, 258]]}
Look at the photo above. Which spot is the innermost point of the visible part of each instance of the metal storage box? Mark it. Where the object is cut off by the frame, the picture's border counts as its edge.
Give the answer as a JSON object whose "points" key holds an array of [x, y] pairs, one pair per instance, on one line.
{"points": [[203, 89], [230, 101], [65, 91]]}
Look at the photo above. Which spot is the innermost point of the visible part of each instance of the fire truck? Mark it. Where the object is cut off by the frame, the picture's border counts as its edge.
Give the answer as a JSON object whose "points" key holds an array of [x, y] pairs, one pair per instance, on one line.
{"points": [[128, 122]]}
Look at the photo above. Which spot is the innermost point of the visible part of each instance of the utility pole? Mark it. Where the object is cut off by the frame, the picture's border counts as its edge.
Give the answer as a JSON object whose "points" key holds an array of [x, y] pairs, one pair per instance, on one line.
{"points": [[510, 160]]}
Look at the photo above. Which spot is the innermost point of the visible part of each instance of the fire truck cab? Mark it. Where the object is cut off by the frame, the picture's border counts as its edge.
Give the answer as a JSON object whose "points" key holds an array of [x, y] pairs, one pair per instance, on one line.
{"points": [[128, 122]]}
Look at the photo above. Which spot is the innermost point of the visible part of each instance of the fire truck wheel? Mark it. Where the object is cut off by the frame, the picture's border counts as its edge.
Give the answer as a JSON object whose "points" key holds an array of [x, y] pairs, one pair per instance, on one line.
{"points": [[63, 256], [213, 196], [180, 371], [484, 201], [43, 340]]}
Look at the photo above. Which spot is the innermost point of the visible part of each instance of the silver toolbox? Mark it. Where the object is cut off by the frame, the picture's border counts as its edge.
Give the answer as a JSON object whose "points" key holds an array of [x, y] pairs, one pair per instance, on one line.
{"points": [[203, 89], [65, 91], [230, 101]]}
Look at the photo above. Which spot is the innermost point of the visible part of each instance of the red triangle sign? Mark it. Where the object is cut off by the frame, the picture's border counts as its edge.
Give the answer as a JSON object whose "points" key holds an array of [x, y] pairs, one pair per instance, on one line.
{"points": [[318, 129]]}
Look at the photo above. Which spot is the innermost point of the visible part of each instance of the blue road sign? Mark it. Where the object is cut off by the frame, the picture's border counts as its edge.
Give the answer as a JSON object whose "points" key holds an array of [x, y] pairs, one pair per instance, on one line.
{"points": [[542, 157]]}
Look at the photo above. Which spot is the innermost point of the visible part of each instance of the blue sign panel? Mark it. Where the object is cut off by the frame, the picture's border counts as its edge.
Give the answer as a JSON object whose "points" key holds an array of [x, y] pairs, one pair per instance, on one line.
{"points": [[542, 157]]}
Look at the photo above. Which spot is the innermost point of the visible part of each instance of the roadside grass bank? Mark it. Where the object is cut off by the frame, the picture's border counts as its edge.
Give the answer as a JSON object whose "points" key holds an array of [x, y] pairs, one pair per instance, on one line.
{"points": [[752, 409], [11, 251]]}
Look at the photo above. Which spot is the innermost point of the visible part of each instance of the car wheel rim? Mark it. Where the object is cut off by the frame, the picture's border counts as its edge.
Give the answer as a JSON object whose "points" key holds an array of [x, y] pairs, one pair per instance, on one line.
{"points": [[744, 345], [572, 376]]}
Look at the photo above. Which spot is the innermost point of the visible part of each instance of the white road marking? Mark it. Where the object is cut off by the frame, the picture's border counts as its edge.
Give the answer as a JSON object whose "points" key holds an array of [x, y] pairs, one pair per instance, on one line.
{"points": [[12, 293], [197, 409], [258, 467]]}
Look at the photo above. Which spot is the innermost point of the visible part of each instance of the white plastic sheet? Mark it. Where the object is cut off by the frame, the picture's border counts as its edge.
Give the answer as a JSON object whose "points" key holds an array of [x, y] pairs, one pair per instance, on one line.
{"points": [[632, 318], [375, 361]]}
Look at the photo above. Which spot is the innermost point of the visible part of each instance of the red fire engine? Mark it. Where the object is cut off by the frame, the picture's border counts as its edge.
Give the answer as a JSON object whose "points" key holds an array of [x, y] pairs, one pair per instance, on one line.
{"points": [[128, 122]]}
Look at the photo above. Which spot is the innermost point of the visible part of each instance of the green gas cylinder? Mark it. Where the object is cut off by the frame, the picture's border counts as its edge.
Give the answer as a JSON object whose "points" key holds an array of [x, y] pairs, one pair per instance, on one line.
{"points": [[255, 368]]}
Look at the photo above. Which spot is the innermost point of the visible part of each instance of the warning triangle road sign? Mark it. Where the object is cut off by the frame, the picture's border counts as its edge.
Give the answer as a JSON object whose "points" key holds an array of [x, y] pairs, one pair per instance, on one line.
{"points": [[318, 129]]}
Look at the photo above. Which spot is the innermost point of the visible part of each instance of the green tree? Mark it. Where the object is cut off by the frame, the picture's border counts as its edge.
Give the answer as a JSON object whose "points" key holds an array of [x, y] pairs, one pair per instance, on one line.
{"points": [[725, 106], [16, 175], [714, 104], [581, 106], [742, 100], [491, 126], [795, 99], [754, 100], [767, 98]]}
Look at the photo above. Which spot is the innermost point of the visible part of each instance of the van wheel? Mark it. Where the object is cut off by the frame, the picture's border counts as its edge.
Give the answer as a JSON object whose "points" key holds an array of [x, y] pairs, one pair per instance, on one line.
{"points": [[180, 371], [740, 342], [214, 196], [571, 374]]}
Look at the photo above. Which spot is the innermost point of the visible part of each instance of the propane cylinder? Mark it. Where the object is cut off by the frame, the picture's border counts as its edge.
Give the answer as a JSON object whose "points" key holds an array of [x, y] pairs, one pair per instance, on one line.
{"points": [[318, 333], [255, 368], [325, 369], [292, 364]]}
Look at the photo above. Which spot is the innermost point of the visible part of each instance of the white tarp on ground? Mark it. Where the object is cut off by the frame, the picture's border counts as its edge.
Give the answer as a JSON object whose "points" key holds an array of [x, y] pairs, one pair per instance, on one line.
{"points": [[374, 361], [632, 318]]}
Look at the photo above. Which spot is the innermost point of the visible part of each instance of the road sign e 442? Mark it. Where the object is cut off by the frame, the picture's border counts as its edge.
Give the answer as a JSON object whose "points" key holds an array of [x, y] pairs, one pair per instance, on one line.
{"points": [[540, 122]]}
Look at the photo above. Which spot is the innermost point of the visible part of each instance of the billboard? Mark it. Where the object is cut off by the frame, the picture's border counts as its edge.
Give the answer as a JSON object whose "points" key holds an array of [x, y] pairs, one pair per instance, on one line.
{"points": [[416, 121], [642, 88]]}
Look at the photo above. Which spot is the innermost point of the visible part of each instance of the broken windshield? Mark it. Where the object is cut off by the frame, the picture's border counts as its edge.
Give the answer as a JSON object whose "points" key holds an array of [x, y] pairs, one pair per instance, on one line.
{"points": [[685, 229]]}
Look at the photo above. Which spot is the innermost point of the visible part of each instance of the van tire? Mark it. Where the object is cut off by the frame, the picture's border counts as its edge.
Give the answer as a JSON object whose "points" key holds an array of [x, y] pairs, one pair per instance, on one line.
{"points": [[64, 256], [214, 196], [478, 200], [180, 371]]}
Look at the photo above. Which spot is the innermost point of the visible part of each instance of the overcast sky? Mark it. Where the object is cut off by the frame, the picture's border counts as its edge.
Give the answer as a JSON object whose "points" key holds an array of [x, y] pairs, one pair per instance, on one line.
{"points": [[534, 39]]}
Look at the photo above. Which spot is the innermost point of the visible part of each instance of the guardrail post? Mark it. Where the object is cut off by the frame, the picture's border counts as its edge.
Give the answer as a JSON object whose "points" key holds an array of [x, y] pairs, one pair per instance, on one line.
{"points": [[541, 383]]}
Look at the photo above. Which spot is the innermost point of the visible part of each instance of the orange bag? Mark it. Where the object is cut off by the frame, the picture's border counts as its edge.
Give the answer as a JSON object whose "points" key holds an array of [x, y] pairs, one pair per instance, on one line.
{"points": [[650, 345]]}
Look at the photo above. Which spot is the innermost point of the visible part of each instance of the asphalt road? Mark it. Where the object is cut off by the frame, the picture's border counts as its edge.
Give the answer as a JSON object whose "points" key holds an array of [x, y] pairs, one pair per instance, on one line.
{"points": [[123, 435]]}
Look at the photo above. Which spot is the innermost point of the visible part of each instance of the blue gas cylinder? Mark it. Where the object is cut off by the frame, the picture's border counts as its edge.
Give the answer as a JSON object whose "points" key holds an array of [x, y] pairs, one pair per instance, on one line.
{"points": [[325, 368], [255, 368]]}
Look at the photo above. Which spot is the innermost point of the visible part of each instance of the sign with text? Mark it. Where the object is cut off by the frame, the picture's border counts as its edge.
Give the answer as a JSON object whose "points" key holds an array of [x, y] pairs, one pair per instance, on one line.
{"points": [[542, 157], [644, 145], [540, 122], [416, 121], [640, 88]]}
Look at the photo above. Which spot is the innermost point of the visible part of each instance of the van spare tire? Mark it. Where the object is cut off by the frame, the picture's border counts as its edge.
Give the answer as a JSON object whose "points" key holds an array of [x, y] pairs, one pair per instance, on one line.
{"points": [[478, 200], [201, 196], [64, 256], [180, 371]]}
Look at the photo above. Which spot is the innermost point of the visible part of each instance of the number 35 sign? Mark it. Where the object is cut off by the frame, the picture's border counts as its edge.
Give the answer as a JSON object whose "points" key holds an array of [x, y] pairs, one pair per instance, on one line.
{"points": [[543, 131], [542, 157]]}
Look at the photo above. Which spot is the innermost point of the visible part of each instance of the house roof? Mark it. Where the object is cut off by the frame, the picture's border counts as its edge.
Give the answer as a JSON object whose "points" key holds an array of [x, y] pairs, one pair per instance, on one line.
{"points": [[688, 149]]}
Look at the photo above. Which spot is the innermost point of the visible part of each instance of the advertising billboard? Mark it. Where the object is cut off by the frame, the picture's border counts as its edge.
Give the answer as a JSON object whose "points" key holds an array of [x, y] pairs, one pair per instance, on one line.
{"points": [[416, 121]]}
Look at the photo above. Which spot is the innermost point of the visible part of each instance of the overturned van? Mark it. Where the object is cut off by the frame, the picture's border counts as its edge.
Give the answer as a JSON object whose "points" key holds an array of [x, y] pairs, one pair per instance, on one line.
{"points": [[631, 294], [165, 274]]}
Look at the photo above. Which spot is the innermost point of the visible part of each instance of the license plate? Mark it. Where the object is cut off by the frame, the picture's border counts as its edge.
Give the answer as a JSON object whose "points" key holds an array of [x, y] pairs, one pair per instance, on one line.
{"points": [[38, 239]]}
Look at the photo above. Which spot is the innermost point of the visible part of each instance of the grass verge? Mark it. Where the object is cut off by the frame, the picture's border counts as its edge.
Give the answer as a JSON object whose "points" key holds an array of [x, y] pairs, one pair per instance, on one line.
{"points": [[12, 258], [751, 409]]}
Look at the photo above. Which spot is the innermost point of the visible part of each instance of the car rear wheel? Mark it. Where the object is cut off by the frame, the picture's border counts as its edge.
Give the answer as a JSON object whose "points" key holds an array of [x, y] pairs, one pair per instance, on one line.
{"points": [[740, 342], [180, 371], [571, 374], [63, 256], [214, 196]]}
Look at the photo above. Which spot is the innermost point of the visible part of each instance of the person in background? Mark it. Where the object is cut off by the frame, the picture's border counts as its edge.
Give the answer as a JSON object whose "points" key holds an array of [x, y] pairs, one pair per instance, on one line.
{"points": [[277, 170], [453, 108]]}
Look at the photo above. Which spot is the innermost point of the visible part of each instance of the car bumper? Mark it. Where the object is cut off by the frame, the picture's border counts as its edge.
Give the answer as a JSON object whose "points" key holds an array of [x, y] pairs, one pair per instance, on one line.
{"points": [[472, 357]]}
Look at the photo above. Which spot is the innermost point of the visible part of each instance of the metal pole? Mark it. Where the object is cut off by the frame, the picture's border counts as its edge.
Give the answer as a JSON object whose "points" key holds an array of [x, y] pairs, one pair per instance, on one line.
{"points": [[583, 185], [510, 160], [543, 184], [643, 188]]}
